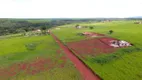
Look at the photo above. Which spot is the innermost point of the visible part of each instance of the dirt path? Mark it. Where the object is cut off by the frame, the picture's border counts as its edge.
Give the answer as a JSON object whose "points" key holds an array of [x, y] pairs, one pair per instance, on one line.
{"points": [[83, 69]]}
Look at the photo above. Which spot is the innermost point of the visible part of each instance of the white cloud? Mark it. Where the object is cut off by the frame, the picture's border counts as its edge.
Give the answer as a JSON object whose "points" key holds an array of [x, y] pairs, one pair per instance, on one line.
{"points": [[69, 8]]}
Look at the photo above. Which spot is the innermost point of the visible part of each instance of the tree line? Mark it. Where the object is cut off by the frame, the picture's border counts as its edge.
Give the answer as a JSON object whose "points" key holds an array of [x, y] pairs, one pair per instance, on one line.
{"points": [[11, 26]]}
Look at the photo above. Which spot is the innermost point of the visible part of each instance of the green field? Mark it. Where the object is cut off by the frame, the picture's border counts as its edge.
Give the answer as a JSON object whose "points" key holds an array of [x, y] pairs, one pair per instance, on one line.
{"points": [[125, 64], [24, 49]]}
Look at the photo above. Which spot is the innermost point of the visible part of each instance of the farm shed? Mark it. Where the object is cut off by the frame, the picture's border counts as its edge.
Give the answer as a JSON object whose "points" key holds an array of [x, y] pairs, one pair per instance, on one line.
{"points": [[78, 27], [114, 42], [37, 30], [48, 31], [119, 43]]}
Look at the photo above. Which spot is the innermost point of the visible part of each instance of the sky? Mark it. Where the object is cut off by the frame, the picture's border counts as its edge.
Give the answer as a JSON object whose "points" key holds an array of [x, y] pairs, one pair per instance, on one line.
{"points": [[70, 8]]}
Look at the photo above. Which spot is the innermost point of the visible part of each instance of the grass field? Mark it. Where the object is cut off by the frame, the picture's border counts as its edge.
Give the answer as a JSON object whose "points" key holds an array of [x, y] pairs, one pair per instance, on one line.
{"points": [[125, 64], [18, 50]]}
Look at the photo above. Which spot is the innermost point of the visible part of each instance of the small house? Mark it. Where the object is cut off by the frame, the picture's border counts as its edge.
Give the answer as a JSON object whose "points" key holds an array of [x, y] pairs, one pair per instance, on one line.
{"points": [[124, 43], [78, 27], [114, 43], [37, 30]]}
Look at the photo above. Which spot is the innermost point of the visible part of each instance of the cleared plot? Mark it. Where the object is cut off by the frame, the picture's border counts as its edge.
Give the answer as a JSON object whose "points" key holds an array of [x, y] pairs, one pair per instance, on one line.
{"points": [[34, 58], [92, 46]]}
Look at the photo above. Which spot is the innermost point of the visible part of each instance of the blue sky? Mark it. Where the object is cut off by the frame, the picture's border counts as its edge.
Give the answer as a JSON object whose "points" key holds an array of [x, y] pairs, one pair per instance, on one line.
{"points": [[69, 8]]}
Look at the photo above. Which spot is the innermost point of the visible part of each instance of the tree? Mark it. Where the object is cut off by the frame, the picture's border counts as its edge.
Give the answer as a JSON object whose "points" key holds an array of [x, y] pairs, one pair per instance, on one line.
{"points": [[76, 26], [26, 29], [43, 29], [110, 31]]}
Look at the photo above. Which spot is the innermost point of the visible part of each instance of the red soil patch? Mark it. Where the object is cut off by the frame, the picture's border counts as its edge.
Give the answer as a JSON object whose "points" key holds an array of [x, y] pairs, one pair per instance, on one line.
{"points": [[64, 59], [106, 40], [59, 51], [92, 46], [92, 34], [30, 68]]}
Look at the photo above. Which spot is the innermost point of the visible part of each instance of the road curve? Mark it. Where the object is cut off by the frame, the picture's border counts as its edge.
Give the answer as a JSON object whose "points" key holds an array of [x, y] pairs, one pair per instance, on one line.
{"points": [[83, 69]]}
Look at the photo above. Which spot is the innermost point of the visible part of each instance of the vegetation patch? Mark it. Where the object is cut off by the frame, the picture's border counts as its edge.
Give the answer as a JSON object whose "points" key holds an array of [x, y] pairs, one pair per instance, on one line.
{"points": [[34, 58]]}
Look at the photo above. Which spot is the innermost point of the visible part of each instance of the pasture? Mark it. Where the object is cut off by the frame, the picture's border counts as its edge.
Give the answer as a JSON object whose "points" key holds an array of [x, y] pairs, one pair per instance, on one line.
{"points": [[34, 58], [125, 63]]}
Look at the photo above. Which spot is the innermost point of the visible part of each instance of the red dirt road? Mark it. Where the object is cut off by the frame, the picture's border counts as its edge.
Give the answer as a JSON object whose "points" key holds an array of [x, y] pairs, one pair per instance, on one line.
{"points": [[83, 69]]}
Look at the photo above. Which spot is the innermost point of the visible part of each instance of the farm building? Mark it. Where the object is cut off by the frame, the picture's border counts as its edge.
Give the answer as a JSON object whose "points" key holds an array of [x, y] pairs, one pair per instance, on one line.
{"points": [[115, 42], [37, 30], [121, 43], [78, 27], [48, 31]]}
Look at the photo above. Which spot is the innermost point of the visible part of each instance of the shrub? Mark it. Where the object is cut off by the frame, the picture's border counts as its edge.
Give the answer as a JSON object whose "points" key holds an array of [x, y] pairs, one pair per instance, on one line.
{"points": [[104, 58], [111, 31], [79, 34], [91, 27], [31, 46]]}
